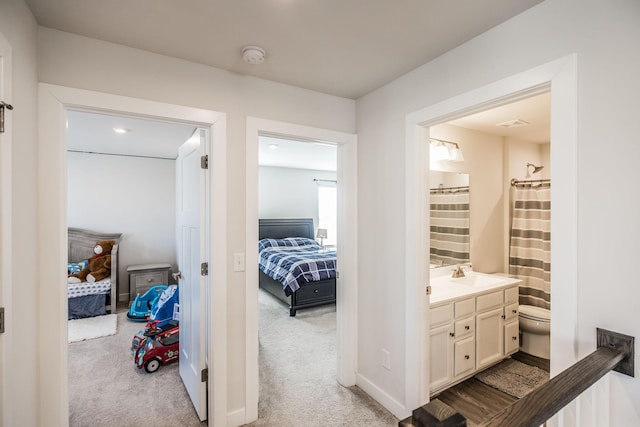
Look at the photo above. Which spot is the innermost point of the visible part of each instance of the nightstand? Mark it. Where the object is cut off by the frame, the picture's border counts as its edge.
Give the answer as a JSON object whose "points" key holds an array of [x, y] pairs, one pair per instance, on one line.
{"points": [[144, 276]]}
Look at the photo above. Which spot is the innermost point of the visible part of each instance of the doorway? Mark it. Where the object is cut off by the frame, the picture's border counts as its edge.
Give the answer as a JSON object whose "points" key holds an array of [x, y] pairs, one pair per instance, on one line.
{"points": [[346, 287], [54, 103], [560, 77], [124, 175]]}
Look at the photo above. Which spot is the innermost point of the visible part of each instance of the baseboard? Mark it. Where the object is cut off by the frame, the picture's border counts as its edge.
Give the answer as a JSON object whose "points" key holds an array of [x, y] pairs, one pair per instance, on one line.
{"points": [[380, 396], [236, 418]]}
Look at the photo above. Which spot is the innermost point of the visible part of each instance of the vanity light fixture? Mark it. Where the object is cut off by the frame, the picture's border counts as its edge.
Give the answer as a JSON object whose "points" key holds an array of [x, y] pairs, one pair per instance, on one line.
{"points": [[442, 150]]}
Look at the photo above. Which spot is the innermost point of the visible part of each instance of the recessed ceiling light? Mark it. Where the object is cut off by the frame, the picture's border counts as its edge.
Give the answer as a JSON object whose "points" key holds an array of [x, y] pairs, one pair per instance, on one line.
{"points": [[273, 146], [120, 130]]}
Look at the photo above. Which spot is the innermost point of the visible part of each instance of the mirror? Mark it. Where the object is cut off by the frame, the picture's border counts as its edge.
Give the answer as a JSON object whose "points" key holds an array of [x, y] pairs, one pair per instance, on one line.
{"points": [[450, 217]]}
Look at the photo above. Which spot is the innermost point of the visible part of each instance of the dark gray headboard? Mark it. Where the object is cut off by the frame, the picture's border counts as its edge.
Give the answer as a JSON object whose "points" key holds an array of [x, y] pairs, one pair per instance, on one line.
{"points": [[279, 228]]}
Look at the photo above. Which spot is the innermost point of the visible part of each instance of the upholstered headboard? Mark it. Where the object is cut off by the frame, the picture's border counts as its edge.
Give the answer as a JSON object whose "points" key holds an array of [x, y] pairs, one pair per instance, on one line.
{"points": [[279, 228]]}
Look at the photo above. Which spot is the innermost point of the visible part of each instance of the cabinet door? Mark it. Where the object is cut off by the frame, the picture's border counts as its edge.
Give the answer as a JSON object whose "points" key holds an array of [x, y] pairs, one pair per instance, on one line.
{"points": [[465, 356], [489, 337], [511, 338], [441, 357]]}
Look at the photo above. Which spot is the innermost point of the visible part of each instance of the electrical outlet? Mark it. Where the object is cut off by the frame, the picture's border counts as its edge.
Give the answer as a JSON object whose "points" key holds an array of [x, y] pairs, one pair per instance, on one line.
{"points": [[386, 359]]}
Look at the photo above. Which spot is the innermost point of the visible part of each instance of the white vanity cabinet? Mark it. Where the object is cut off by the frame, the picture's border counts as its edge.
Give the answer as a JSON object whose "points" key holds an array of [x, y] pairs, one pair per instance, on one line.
{"points": [[452, 341], [471, 332]]}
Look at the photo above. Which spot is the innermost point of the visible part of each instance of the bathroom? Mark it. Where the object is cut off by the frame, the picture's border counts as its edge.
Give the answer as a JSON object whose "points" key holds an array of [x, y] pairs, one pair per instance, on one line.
{"points": [[511, 142]]}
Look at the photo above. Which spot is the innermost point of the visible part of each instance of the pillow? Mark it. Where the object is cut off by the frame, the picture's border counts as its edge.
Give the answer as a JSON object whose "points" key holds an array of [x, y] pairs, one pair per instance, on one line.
{"points": [[286, 242], [77, 267]]}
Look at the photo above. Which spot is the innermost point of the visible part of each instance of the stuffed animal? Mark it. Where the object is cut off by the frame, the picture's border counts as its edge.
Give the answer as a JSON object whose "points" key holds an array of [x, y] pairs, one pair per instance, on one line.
{"points": [[99, 266]]}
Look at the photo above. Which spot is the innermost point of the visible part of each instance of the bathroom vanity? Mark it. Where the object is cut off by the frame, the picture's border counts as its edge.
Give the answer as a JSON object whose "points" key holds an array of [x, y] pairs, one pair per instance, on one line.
{"points": [[474, 324]]}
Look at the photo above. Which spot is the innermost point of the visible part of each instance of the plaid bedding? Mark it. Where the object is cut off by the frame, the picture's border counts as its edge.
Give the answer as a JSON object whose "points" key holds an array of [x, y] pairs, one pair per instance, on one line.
{"points": [[294, 265]]}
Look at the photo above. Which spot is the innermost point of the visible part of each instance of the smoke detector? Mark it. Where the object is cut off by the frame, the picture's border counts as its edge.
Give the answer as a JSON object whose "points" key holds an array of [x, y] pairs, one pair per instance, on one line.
{"points": [[253, 54]]}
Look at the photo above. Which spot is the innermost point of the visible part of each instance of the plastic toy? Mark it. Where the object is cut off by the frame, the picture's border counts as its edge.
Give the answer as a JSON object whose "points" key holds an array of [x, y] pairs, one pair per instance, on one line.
{"points": [[143, 304], [158, 350], [159, 343]]}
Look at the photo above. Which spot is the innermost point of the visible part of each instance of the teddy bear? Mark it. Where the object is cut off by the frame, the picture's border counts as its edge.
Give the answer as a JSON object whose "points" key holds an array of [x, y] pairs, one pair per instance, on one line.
{"points": [[99, 266]]}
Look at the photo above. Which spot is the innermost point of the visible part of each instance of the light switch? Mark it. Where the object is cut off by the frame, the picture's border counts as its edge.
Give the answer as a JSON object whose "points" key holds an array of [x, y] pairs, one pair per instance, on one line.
{"points": [[238, 261]]}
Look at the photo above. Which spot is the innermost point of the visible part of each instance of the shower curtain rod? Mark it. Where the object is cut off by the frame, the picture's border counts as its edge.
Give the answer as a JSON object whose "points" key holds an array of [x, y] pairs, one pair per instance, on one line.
{"points": [[530, 182], [451, 189]]}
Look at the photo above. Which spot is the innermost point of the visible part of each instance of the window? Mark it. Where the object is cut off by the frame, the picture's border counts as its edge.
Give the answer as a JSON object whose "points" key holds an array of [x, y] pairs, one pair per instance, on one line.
{"points": [[328, 211]]}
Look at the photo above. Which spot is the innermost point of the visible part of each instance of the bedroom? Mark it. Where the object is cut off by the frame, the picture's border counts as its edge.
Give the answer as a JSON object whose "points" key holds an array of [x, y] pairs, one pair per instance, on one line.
{"points": [[124, 183]]}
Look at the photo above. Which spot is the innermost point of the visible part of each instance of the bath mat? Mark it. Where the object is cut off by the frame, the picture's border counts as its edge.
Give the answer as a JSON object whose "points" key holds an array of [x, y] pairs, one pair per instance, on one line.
{"points": [[92, 327], [513, 377]]}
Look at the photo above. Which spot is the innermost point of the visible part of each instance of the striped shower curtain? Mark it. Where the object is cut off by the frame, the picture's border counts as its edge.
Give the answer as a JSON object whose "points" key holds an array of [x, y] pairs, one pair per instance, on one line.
{"points": [[530, 252], [449, 226]]}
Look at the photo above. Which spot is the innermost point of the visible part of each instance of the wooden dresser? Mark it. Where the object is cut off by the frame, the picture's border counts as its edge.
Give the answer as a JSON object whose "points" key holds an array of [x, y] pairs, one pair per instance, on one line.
{"points": [[144, 276]]}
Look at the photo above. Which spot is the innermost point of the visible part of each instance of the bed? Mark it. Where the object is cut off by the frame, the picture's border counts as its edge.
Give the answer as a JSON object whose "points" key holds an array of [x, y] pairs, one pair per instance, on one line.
{"points": [[312, 291], [91, 299]]}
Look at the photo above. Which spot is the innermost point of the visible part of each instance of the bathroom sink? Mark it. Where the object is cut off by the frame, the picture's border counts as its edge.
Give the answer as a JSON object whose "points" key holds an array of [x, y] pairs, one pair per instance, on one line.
{"points": [[476, 279]]}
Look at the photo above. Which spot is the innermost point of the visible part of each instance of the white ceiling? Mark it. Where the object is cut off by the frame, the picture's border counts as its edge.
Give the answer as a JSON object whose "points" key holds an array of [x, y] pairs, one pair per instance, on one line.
{"points": [[342, 47], [93, 132], [535, 111]]}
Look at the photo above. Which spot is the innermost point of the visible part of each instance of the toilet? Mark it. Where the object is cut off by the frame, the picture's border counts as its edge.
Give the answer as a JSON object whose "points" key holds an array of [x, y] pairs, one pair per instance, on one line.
{"points": [[535, 330]]}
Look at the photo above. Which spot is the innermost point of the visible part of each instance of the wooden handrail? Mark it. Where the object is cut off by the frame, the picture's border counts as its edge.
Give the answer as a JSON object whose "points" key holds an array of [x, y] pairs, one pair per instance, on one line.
{"points": [[542, 403]]}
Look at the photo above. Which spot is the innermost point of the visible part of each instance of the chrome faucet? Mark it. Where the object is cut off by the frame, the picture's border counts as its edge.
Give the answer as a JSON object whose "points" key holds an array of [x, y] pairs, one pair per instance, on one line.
{"points": [[458, 272]]}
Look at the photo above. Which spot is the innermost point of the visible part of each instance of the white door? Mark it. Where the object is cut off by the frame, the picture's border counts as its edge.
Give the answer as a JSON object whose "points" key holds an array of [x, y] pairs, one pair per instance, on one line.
{"points": [[191, 247], [5, 216]]}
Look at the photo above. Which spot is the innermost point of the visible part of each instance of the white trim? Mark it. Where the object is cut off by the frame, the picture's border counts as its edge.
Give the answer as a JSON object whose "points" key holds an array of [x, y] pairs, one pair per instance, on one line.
{"points": [[6, 175], [346, 307], [380, 396], [561, 76], [54, 101]]}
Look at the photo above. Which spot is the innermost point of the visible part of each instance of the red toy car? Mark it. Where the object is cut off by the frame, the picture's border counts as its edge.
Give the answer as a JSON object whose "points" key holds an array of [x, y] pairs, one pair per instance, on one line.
{"points": [[157, 350]]}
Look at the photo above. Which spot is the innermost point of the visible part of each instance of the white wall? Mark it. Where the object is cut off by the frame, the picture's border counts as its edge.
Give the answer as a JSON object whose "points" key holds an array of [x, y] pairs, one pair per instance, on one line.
{"points": [[69, 60], [289, 193], [134, 196], [605, 38], [18, 361]]}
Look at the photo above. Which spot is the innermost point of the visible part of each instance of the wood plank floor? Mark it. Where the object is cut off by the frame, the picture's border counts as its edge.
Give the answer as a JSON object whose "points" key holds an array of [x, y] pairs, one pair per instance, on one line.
{"points": [[478, 402]]}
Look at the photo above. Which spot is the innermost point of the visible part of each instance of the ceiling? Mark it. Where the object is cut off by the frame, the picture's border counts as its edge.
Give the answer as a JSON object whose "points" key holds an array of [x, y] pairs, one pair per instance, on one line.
{"points": [[341, 47], [94, 133]]}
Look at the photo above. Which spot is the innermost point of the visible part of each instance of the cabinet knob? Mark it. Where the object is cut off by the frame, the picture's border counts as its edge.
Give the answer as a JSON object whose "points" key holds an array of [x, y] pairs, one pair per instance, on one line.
{"points": [[451, 334], [467, 327], [514, 311], [503, 316], [514, 338], [315, 291], [149, 280], [466, 356]]}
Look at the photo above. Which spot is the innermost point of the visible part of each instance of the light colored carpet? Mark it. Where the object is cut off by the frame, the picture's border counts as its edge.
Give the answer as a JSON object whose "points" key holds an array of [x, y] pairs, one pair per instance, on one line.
{"points": [[514, 377], [92, 327], [106, 388], [298, 369], [298, 385]]}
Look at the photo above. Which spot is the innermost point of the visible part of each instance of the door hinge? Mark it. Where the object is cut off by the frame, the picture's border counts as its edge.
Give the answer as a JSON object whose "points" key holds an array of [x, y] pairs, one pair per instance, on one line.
{"points": [[1, 320], [204, 375], [428, 290], [204, 269], [204, 162], [3, 105]]}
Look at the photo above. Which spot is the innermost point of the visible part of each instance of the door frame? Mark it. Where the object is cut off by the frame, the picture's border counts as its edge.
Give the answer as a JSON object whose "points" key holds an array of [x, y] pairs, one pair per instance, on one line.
{"points": [[6, 242], [560, 78], [346, 296], [53, 103]]}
